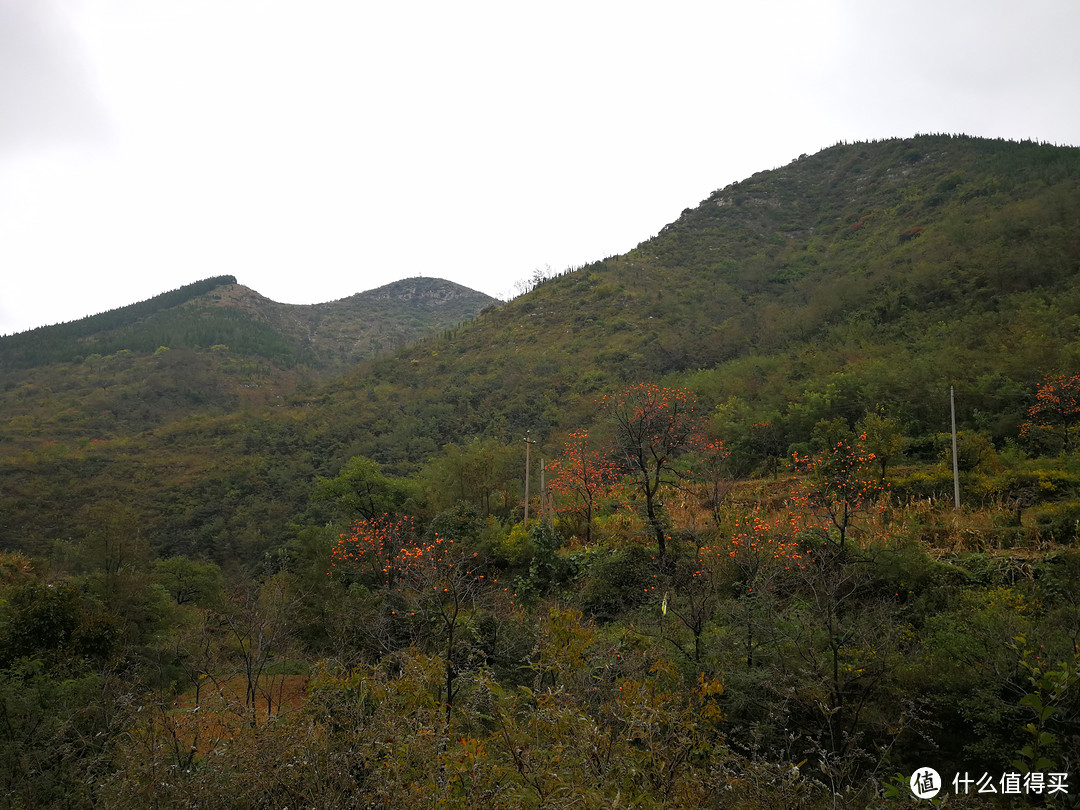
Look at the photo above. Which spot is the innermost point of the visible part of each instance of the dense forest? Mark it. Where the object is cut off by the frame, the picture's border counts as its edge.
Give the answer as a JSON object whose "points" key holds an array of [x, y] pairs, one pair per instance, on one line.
{"points": [[674, 529]]}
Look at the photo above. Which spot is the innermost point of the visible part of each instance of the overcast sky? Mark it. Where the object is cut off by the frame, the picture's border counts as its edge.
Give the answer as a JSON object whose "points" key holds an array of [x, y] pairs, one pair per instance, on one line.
{"points": [[321, 148]]}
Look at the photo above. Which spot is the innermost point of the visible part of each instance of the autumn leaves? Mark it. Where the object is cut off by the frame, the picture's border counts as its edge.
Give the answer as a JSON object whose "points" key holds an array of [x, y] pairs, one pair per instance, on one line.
{"points": [[657, 449], [654, 450]]}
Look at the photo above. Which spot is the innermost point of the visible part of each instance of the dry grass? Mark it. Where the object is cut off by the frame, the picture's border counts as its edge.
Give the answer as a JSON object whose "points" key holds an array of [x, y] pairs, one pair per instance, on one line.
{"points": [[221, 710]]}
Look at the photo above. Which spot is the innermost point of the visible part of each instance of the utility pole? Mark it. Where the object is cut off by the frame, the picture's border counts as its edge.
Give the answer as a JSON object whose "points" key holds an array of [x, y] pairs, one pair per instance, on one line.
{"points": [[543, 493], [528, 443], [955, 464]]}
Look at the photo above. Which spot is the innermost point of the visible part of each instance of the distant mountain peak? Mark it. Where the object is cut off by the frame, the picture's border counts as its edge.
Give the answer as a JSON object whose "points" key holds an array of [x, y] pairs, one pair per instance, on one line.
{"points": [[223, 312], [435, 289]]}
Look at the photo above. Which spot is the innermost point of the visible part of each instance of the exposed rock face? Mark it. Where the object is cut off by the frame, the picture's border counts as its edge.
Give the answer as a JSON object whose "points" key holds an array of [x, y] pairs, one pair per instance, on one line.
{"points": [[434, 291]]}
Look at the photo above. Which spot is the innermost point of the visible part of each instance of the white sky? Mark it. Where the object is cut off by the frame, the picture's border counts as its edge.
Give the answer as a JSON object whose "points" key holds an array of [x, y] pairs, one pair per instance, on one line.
{"points": [[318, 148]]}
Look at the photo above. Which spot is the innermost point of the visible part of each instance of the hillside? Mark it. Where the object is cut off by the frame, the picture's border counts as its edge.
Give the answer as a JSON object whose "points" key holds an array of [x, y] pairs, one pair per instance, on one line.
{"points": [[866, 277]]}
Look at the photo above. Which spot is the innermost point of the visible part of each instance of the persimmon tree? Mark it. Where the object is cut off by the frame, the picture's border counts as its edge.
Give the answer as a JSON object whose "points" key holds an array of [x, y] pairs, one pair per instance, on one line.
{"points": [[442, 583], [845, 640], [1057, 405], [436, 583], [760, 551], [838, 488], [582, 478], [371, 546], [691, 602], [656, 430], [759, 547]]}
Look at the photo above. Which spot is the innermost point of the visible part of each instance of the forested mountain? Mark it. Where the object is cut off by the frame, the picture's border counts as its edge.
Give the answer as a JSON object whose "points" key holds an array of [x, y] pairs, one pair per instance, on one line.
{"points": [[867, 276], [209, 348], [743, 584]]}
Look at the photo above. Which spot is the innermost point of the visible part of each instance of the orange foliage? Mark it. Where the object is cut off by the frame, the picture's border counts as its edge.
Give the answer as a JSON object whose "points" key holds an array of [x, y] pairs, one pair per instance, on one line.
{"points": [[582, 478], [387, 550], [838, 489], [372, 546], [754, 542], [1057, 404]]}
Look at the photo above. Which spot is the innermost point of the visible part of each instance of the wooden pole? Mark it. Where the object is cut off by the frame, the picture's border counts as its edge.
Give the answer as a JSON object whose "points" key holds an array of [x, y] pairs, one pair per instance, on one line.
{"points": [[528, 443]]}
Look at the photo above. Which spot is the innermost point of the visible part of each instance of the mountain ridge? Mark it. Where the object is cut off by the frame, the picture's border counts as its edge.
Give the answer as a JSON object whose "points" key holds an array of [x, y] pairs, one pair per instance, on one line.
{"points": [[329, 334]]}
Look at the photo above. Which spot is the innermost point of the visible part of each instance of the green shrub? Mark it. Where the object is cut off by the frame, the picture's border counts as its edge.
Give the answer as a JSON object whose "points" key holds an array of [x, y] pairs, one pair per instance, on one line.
{"points": [[508, 549], [548, 568], [621, 580], [932, 483], [1060, 522]]}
